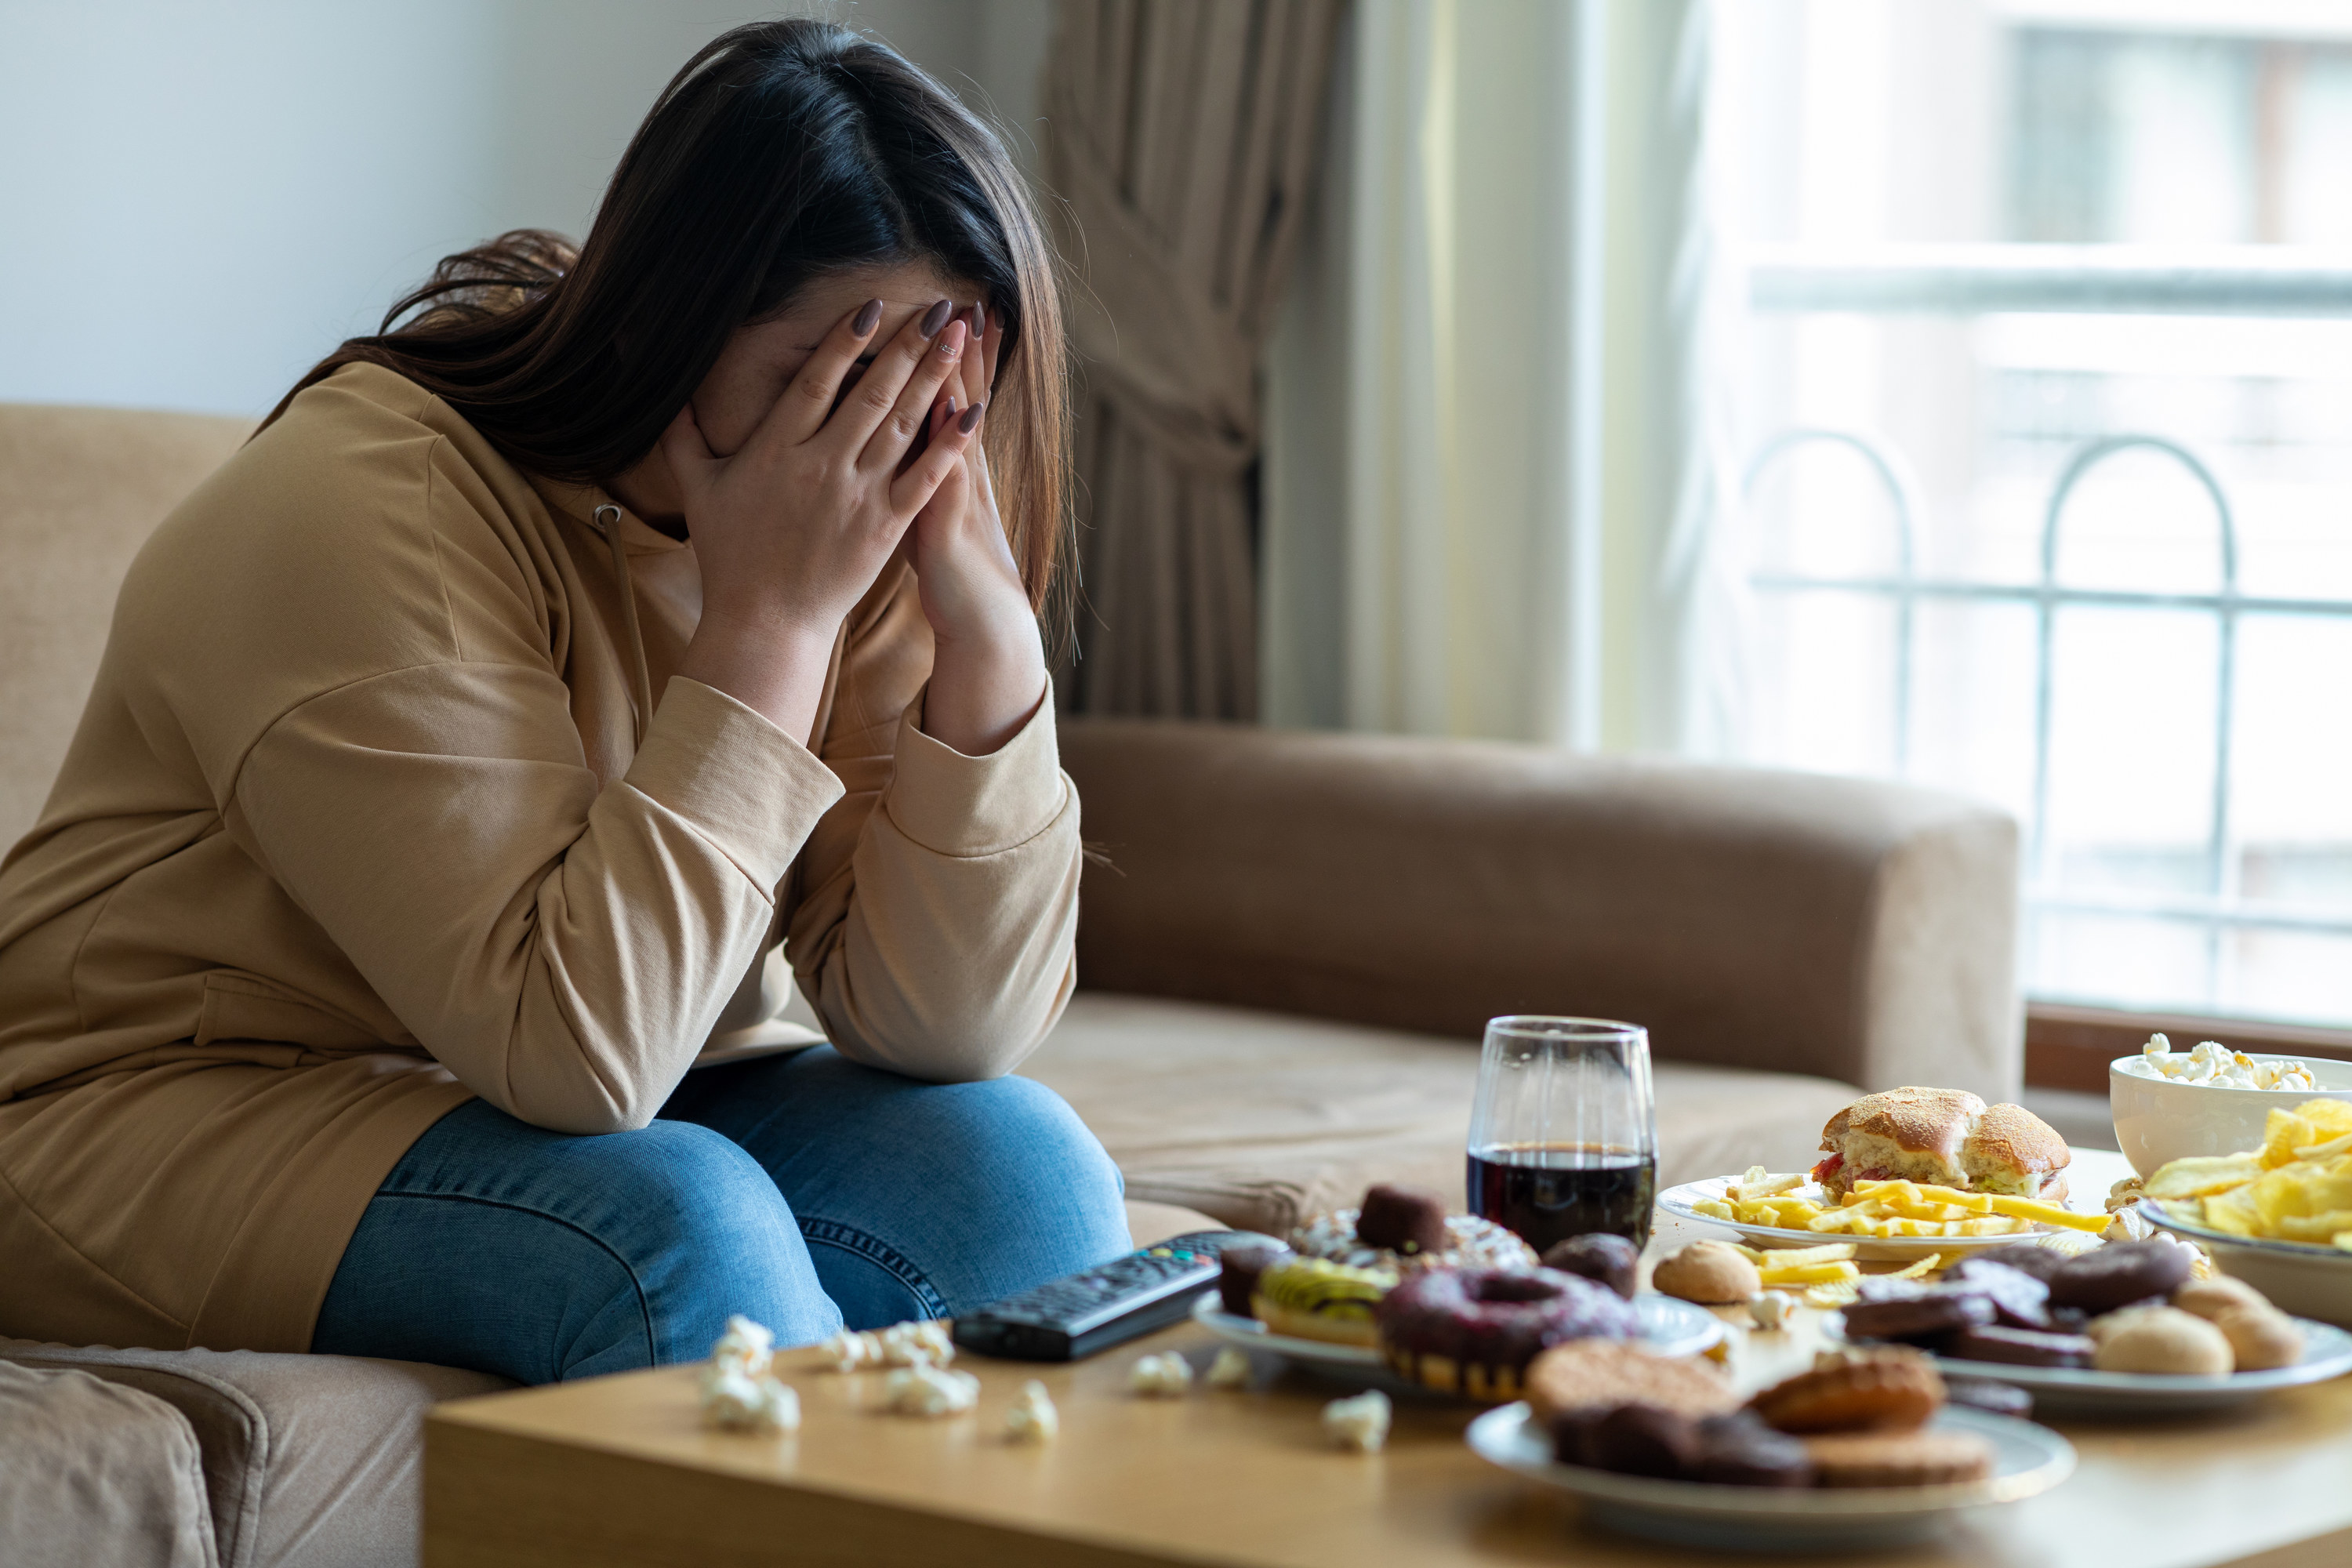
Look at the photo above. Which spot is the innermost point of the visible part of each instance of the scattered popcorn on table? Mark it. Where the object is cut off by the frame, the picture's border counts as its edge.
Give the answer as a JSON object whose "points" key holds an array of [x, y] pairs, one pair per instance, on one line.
{"points": [[746, 1347], [2214, 1063], [1771, 1308], [1361, 1423], [1231, 1369], [923, 1389], [738, 1395], [1033, 1418], [1167, 1376], [734, 1402], [928, 1341]]}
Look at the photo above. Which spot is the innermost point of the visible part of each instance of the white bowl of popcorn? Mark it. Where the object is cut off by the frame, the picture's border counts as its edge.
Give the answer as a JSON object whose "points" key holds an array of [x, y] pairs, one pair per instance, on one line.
{"points": [[2209, 1100]]}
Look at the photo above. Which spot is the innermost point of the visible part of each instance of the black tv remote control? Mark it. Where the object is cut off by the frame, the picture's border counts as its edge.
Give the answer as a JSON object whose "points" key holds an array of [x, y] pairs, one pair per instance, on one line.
{"points": [[1095, 1309]]}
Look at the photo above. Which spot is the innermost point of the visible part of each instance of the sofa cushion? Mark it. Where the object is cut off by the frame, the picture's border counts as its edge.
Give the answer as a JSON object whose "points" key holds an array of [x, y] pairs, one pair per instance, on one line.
{"points": [[91, 1471], [307, 1461], [1260, 1119]]}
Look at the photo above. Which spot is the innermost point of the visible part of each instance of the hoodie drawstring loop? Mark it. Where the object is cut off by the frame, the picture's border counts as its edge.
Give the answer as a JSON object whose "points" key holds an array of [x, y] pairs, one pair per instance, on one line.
{"points": [[641, 687]]}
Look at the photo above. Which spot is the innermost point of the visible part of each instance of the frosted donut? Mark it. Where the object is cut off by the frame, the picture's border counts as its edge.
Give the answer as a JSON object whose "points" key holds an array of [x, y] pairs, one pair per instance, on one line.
{"points": [[1474, 1330]]}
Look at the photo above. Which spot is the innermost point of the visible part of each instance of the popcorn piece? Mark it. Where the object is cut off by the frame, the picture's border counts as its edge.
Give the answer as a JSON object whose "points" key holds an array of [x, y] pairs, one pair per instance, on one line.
{"points": [[1771, 1308], [1164, 1376], [928, 1341], [1361, 1424], [2216, 1064], [746, 1348], [923, 1389], [733, 1400], [1032, 1418], [1231, 1369]]}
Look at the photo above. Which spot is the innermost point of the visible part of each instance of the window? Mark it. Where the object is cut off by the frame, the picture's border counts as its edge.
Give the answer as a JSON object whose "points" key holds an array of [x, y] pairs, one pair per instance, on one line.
{"points": [[2049, 388]]}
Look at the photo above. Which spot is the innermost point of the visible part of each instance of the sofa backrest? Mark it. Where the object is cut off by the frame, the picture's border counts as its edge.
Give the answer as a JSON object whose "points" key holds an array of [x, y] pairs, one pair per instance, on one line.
{"points": [[81, 490]]}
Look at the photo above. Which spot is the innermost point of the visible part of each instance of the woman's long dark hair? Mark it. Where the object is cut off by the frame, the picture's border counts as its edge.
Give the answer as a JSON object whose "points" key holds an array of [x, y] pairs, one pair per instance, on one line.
{"points": [[784, 151]]}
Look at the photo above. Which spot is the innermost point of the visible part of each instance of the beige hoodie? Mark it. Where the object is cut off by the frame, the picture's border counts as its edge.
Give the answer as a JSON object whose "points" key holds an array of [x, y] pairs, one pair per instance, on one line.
{"points": [[366, 817]]}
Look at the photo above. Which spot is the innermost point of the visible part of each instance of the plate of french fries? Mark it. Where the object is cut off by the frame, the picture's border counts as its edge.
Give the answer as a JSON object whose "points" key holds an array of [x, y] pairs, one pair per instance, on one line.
{"points": [[1895, 1220]]}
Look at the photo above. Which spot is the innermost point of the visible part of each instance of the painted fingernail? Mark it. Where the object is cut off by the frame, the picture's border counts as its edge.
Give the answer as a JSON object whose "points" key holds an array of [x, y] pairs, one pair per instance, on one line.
{"points": [[970, 418], [947, 415], [936, 318], [869, 317], [978, 320]]}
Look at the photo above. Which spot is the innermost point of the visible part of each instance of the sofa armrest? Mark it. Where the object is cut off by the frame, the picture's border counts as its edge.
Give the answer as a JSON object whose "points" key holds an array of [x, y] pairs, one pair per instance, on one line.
{"points": [[1857, 931]]}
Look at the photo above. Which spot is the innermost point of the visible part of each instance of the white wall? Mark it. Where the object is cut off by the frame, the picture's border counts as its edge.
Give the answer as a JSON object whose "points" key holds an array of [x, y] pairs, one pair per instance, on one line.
{"points": [[197, 201]]}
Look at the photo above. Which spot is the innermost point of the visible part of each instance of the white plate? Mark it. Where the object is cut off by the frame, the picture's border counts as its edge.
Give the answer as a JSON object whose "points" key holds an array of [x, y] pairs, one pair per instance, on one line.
{"points": [[1679, 1201], [1669, 1328], [2299, 1276], [2084, 1391], [2027, 1460]]}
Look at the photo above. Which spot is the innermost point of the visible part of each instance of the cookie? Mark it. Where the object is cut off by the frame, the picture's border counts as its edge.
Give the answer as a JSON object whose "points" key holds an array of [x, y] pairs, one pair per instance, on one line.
{"points": [[1898, 1459], [1237, 1272], [1642, 1440], [2261, 1337], [2020, 1301], [1600, 1374], [1603, 1257], [1888, 1390], [2161, 1340], [2119, 1273], [2020, 1347], [1927, 1316], [1405, 1220], [2026, 1258], [1711, 1273], [1993, 1398], [1740, 1450], [2208, 1298]]}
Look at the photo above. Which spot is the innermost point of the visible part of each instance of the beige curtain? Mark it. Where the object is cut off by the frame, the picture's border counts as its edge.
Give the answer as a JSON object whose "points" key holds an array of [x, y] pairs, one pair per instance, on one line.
{"points": [[1180, 139]]}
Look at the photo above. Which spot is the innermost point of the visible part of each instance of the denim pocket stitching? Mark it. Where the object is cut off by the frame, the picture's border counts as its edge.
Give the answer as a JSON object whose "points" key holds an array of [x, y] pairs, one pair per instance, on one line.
{"points": [[881, 1254]]}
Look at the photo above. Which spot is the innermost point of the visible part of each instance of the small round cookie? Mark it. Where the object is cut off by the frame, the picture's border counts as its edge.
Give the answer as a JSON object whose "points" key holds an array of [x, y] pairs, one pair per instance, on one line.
{"points": [[1588, 1374], [1898, 1459], [2026, 1258], [1927, 1316], [1993, 1398], [2160, 1339], [2261, 1337], [2208, 1298], [1739, 1450], [2120, 1273], [1887, 1390], [1711, 1273], [1603, 1257], [2020, 1347], [1643, 1440], [1316, 1299], [2020, 1301]]}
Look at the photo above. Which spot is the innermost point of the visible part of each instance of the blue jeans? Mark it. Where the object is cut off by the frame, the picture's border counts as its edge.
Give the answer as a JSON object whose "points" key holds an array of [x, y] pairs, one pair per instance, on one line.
{"points": [[804, 1191]]}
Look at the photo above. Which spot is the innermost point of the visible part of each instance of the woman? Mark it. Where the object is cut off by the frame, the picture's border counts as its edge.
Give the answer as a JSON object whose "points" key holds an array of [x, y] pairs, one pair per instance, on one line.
{"points": [[443, 798]]}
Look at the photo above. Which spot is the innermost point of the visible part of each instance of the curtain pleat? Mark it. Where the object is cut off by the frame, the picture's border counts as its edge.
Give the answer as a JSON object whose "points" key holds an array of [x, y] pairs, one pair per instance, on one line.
{"points": [[1180, 139]]}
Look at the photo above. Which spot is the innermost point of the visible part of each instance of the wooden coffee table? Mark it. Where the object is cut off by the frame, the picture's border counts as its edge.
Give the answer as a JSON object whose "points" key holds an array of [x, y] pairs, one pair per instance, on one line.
{"points": [[616, 1471]]}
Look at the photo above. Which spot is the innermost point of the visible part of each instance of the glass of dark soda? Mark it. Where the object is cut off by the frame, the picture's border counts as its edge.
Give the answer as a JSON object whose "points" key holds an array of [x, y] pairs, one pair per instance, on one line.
{"points": [[1564, 1136]]}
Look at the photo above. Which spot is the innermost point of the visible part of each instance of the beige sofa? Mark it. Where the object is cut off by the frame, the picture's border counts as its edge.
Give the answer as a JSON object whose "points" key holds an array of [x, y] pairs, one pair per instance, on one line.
{"points": [[1288, 953]]}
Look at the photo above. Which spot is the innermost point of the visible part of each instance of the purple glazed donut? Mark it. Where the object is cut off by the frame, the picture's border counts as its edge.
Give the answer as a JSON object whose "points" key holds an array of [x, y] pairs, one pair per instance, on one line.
{"points": [[1474, 1330]]}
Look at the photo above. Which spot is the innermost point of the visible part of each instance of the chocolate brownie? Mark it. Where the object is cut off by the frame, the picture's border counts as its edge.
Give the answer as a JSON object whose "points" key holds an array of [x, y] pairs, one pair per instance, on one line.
{"points": [[1403, 1219]]}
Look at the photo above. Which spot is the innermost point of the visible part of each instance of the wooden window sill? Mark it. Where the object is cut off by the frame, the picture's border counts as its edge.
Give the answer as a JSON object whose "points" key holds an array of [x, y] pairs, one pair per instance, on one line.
{"points": [[2070, 1047]]}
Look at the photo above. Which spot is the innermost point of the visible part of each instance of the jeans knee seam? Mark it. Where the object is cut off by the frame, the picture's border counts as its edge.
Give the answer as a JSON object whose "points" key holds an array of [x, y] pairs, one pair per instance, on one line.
{"points": [[881, 1254], [644, 1308]]}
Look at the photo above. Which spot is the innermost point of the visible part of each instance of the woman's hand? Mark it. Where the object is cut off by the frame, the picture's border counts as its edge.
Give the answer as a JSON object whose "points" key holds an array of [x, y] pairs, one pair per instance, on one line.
{"points": [[988, 673], [791, 528]]}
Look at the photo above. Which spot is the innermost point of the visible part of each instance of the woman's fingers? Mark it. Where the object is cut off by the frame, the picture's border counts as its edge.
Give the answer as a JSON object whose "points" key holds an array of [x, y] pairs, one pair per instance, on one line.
{"points": [[691, 460], [816, 385], [906, 420], [894, 364], [941, 463], [973, 373]]}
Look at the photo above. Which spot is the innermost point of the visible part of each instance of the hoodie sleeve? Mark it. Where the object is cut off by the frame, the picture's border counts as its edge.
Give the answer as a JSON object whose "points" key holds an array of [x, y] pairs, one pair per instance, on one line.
{"points": [[936, 928]]}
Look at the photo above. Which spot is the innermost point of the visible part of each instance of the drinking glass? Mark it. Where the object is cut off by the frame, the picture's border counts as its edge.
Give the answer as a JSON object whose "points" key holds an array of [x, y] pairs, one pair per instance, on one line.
{"points": [[1564, 1136]]}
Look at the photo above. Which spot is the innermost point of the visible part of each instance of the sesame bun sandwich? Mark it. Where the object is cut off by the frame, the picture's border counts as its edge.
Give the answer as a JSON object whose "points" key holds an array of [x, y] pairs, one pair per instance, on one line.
{"points": [[1947, 1136]]}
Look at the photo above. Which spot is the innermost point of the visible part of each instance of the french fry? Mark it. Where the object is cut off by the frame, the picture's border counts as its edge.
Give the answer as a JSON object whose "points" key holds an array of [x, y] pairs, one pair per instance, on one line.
{"points": [[1992, 1224], [1830, 1221], [1797, 1257], [1894, 1195], [1843, 1294], [1918, 1268], [1809, 1274], [1913, 1195], [2035, 1210], [1716, 1208]]}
